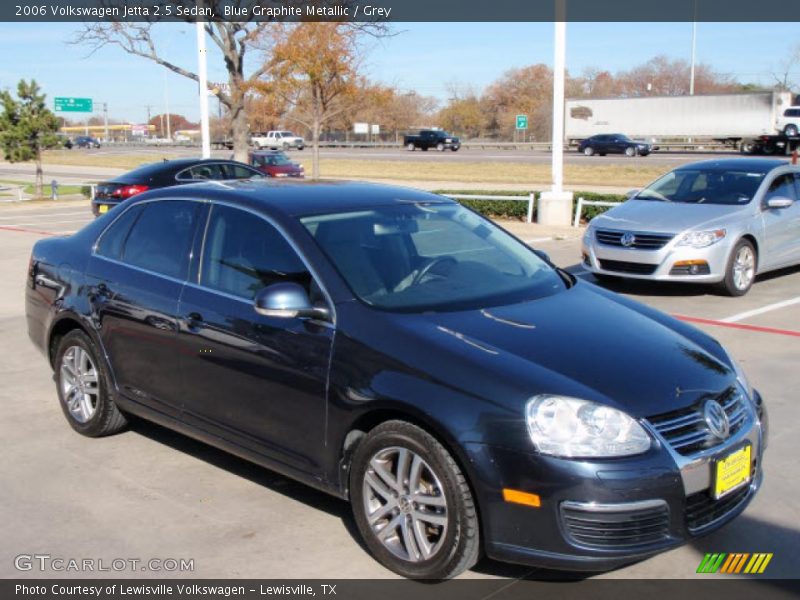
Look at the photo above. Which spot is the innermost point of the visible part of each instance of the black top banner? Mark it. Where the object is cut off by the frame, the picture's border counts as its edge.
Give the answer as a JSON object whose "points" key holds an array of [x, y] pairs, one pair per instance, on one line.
{"points": [[401, 10]]}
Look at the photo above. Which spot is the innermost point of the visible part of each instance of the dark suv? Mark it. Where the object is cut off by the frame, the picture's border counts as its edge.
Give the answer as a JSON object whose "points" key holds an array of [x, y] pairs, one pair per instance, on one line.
{"points": [[85, 141], [613, 143]]}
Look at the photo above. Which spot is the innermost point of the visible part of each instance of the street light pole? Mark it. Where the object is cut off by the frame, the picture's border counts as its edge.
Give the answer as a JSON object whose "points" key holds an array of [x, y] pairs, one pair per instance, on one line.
{"points": [[694, 50], [202, 75]]}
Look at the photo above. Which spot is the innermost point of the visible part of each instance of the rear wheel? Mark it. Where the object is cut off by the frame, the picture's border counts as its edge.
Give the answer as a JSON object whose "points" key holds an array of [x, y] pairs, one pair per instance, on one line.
{"points": [[412, 503], [440, 147], [84, 387], [588, 151], [630, 151], [741, 271]]}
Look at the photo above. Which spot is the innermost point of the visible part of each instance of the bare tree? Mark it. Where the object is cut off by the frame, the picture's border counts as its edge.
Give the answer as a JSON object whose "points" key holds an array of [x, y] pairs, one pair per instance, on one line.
{"points": [[787, 69], [233, 39]]}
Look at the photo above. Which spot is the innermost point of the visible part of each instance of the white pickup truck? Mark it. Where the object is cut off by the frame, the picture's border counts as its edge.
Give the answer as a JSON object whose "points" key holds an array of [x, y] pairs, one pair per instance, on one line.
{"points": [[277, 140]]}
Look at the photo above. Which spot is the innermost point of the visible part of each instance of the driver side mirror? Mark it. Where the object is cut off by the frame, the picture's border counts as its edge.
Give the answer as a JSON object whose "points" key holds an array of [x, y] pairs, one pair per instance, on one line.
{"points": [[288, 300], [779, 202]]}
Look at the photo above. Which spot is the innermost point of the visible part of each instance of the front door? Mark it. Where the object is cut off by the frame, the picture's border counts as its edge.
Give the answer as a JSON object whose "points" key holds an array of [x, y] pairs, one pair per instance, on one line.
{"points": [[256, 381], [781, 225]]}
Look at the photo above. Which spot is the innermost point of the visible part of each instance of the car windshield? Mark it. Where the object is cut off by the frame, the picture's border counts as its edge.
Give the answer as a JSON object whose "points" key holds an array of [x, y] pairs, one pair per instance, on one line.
{"points": [[271, 160], [421, 257], [704, 186]]}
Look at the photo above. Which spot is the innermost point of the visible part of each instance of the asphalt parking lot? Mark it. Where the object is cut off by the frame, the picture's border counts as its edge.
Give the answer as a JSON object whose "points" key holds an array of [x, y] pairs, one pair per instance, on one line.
{"points": [[150, 493]]}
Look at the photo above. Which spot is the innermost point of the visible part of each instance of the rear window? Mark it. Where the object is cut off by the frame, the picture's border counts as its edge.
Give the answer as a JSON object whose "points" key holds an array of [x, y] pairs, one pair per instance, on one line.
{"points": [[143, 174]]}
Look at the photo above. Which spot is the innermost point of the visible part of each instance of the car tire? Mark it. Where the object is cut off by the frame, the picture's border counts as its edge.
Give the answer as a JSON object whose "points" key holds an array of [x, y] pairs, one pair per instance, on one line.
{"points": [[790, 130], [452, 544], [440, 147], [300, 147], [410, 147], [80, 368], [285, 146], [455, 148], [630, 151], [588, 151], [747, 148], [740, 272]]}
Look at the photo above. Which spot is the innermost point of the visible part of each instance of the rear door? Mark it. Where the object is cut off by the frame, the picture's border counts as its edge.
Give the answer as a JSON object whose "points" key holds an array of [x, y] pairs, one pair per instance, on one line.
{"points": [[135, 277]]}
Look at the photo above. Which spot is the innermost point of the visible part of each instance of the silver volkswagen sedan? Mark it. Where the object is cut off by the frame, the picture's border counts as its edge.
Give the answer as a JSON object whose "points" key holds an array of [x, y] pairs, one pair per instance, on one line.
{"points": [[720, 221]]}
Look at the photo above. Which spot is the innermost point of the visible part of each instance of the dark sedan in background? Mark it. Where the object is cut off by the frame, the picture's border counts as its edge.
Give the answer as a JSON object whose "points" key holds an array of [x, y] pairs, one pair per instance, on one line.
{"points": [[397, 350], [85, 141], [613, 143], [165, 174]]}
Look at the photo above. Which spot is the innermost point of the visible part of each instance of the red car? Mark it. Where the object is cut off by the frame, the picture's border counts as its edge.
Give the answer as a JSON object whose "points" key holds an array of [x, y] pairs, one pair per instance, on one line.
{"points": [[274, 163]]}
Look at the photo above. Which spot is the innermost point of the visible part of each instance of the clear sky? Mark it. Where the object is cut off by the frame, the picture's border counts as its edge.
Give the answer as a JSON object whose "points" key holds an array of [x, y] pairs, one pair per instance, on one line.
{"points": [[425, 57]]}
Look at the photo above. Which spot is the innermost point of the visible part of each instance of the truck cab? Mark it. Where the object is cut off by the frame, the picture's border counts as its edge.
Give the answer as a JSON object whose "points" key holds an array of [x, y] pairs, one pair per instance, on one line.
{"points": [[432, 138], [277, 140], [789, 121]]}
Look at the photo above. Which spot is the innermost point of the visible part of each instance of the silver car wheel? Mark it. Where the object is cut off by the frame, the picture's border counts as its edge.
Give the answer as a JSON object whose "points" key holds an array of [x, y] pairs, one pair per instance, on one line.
{"points": [[744, 268], [79, 383], [405, 504]]}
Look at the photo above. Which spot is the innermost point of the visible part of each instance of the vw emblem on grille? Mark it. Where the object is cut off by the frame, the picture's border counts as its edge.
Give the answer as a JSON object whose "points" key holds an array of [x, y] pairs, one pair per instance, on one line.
{"points": [[716, 418], [627, 240]]}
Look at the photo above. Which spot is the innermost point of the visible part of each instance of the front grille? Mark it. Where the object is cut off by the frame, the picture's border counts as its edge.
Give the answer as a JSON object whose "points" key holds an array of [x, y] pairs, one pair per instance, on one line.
{"points": [[627, 267], [622, 528], [702, 510], [641, 241], [687, 431]]}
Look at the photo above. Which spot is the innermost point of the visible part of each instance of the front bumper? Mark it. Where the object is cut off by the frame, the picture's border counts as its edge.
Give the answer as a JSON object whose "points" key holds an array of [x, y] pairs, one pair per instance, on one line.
{"points": [[597, 515], [655, 265]]}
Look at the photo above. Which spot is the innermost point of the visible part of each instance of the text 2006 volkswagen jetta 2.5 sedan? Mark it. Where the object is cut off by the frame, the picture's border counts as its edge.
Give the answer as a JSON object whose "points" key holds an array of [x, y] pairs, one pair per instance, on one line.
{"points": [[399, 351]]}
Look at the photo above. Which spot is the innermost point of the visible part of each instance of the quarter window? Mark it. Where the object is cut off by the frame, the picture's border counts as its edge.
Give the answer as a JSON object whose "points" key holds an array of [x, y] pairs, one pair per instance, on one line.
{"points": [[113, 239], [160, 239], [233, 171], [243, 254]]}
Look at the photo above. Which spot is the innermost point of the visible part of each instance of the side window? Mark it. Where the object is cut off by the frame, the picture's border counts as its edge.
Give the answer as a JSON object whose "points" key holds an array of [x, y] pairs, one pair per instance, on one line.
{"points": [[243, 254], [113, 238], [783, 187], [233, 171], [202, 172], [700, 183], [161, 238]]}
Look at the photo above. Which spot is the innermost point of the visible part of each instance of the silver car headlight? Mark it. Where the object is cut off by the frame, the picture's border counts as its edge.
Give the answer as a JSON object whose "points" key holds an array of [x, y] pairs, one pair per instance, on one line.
{"points": [[569, 427], [702, 239]]}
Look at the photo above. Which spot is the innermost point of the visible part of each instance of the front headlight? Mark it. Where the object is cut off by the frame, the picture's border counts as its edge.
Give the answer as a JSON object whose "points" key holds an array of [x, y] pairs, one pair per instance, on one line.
{"points": [[570, 427], [702, 239]]}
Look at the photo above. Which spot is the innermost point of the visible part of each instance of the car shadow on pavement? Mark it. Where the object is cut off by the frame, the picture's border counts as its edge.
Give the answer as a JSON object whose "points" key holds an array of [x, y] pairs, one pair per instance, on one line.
{"points": [[252, 472], [751, 534]]}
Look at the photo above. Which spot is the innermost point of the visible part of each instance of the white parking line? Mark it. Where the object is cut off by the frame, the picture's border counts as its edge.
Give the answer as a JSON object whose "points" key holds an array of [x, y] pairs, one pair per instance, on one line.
{"points": [[758, 311], [539, 239]]}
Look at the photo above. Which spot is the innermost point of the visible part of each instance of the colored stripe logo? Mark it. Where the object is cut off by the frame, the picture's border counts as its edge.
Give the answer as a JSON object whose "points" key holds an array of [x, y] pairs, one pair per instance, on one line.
{"points": [[735, 563]]}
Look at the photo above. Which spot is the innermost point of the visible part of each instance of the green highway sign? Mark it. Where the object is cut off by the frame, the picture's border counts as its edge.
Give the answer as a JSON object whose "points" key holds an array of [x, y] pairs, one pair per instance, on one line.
{"points": [[522, 121], [74, 105]]}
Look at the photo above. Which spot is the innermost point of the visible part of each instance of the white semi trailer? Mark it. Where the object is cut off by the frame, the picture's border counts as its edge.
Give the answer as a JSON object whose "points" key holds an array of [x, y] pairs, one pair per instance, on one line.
{"points": [[731, 118]]}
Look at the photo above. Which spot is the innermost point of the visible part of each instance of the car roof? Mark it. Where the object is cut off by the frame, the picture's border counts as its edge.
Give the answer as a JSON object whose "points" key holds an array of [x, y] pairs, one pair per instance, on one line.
{"points": [[300, 198], [758, 165], [149, 170]]}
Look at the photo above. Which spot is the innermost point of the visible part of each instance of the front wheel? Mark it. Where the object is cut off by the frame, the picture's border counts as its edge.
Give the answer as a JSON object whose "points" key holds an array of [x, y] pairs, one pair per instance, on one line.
{"points": [[285, 146], [412, 503], [84, 387], [741, 270], [455, 148], [630, 151], [790, 130]]}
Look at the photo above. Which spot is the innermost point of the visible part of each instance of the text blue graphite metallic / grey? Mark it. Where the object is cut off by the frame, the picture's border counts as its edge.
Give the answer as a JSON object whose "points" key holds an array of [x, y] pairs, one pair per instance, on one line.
{"points": [[395, 349]]}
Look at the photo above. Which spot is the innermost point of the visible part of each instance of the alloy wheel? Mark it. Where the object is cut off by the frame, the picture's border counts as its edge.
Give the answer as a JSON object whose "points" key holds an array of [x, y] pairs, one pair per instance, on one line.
{"points": [[405, 504], [744, 268], [79, 384]]}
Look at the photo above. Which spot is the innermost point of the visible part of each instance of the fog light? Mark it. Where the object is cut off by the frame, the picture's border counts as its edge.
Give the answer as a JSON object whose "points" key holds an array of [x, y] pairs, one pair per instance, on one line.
{"points": [[690, 267]]}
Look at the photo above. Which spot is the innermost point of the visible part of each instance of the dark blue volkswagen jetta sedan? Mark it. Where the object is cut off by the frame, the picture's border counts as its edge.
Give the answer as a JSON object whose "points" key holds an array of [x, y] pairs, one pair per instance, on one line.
{"points": [[399, 351]]}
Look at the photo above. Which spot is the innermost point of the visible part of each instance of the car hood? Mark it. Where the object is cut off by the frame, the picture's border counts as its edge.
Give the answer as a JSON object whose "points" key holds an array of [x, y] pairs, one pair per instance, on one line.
{"points": [[667, 217], [584, 342]]}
